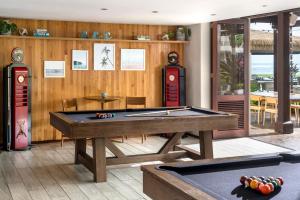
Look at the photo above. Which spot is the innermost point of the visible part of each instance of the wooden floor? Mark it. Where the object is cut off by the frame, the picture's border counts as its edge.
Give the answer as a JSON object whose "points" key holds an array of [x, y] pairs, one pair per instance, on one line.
{"points": [[48, 172], [288, 140], [268, 128]]}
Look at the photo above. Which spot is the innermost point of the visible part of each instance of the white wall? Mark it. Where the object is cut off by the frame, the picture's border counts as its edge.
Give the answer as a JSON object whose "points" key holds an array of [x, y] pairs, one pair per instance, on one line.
{"points": [[197, 63]]}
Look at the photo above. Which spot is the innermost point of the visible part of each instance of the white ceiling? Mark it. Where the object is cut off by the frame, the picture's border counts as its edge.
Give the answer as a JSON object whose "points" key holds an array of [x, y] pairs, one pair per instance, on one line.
{"points": [[140, 11]]}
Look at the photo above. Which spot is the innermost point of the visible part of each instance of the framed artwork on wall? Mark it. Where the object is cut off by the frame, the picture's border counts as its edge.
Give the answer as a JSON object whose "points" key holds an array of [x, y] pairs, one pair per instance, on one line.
{"points": [[133, 59], [104, 56], [54, 69], [80, 60]]}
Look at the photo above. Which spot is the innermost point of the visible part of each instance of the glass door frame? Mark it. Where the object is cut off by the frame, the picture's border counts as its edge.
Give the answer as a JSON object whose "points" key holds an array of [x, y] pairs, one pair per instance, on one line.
{"points": [[215, 73]]}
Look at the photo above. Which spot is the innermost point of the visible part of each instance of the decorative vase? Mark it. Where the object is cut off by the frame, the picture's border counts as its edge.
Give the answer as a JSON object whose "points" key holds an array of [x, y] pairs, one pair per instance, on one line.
{"points": [[180, 34], [7, 33], [239, 91]]}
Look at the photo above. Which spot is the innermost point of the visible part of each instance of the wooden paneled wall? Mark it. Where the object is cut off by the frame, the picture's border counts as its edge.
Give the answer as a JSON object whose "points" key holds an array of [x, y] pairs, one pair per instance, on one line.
{"points": [[47, 93]]}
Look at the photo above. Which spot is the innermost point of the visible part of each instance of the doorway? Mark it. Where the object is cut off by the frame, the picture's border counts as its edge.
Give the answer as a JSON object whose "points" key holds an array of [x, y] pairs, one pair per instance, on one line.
{"points": [[263, 75], [263, 68]]}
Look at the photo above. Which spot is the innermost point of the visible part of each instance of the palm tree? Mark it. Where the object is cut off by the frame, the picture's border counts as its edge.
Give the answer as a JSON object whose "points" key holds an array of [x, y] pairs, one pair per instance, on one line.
{"points": [[106, 58], [104, 62]]}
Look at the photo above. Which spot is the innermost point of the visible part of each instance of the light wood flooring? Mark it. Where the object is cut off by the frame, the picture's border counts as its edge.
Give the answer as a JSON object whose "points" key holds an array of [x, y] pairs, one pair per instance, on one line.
{"points": [[47, 171]]}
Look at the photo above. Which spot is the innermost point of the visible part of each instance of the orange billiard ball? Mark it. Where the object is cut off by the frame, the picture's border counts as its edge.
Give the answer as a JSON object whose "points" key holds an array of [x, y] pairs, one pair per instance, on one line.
{"points": [[254, 184], [265, 189]]}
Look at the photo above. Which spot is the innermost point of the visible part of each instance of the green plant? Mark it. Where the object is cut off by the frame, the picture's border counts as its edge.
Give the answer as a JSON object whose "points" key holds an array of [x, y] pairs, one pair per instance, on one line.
{"points": [[239, 86], [187, 32], [254, 87], [6, 27], [171, 35]]}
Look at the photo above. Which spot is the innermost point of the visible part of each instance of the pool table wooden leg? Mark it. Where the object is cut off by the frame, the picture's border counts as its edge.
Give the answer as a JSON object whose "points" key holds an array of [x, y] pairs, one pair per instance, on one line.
{"points": [[206, 147], [99, 159], [80, 147]]}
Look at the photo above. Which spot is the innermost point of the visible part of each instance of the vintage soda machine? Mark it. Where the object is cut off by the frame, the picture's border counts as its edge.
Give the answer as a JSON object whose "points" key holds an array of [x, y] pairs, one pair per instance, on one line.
{"points": [[17, 103], [173, 80]]}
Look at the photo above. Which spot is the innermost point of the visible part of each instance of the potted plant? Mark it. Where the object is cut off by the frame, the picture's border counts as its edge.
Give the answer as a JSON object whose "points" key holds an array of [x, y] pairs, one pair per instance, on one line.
{"points": [[188, 33], [239, 90], [183, 33], [6, 27]]}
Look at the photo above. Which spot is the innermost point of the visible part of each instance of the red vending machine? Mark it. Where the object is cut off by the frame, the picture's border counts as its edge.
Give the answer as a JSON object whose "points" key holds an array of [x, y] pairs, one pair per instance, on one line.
{"points": [[173, 75], [17, 103]]}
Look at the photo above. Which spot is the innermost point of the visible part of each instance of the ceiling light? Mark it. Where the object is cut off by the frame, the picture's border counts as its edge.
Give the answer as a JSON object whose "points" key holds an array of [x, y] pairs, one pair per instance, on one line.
{"points": [[154, 11], [264, 6], [104, 9], [213, 14]]}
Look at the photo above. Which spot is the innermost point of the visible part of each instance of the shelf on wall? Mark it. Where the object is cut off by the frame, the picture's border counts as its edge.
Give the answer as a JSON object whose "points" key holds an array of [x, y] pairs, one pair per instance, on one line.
{"points": [[95, 40]]}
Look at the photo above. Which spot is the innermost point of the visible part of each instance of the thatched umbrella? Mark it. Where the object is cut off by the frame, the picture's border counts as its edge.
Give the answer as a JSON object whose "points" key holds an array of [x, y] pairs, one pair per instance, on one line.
{"points": [[261, 42]]}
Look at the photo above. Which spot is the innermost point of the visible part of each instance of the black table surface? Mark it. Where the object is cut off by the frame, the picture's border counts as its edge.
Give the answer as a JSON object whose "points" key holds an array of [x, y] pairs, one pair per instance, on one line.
{"points": [[129, 114], [221, 180]]}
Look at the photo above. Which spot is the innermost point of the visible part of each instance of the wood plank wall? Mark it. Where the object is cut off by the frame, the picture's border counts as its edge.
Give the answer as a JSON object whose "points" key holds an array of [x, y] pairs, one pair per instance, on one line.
{"points": [[47, 93]]}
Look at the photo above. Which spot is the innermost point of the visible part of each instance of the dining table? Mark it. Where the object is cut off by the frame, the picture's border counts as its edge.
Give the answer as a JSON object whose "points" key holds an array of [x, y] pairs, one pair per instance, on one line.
{"points": [[273, 94], [103, 100]]}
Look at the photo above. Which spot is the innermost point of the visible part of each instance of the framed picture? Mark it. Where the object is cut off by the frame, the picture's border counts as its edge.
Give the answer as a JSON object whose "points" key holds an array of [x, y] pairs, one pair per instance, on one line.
{"points": [[80, 60], [54, 69], [104, 56], [133, 59]]}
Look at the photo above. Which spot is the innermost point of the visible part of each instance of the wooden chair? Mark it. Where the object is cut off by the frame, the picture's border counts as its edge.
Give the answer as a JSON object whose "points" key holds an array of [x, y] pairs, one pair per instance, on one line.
{"points": [[68, 104], [257, 105], [136, 101], [296, 108], [271, 106]]}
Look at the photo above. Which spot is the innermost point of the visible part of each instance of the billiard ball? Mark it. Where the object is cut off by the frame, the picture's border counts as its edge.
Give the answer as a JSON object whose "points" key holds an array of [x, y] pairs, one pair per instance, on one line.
{"points": [[275, 184], [278, 182], [254, 184], [271, 186], [268, 180], [281, 180], [257, 189], [271, 178], [259, 179], [247, 182], [264, 189], [101, 116], [262, 178], [243, 179]]}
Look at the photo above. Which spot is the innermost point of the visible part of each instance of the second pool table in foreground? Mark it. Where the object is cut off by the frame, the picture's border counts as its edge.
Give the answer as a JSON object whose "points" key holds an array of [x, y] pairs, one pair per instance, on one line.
{"points": [[219, 178], [80, 125]]}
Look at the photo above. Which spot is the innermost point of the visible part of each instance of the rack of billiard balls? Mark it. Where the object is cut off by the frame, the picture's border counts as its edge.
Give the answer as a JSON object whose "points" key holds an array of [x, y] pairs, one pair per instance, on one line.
{"points": [[105, 115], [261, 184]]}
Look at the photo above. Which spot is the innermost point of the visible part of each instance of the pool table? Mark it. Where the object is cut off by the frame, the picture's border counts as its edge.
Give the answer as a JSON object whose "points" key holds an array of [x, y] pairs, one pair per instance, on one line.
{"points": [[219, 178], [80, 125]]}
